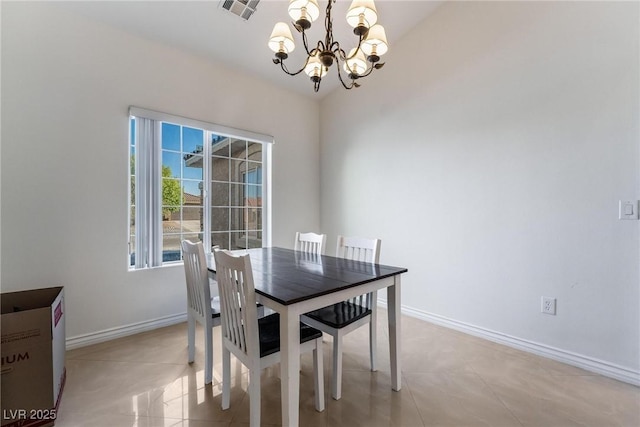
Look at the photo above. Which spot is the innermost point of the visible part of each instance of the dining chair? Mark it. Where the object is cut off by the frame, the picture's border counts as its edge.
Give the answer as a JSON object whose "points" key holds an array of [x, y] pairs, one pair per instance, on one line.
{"points": [[201, 307], [341, 318], [255, 342], [310, 243]]}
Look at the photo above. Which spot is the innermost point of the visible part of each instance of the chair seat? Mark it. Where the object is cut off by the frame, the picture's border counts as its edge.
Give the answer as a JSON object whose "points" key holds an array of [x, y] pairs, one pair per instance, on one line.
{"points": [[269, 327], [339, 315], [215, 307]]}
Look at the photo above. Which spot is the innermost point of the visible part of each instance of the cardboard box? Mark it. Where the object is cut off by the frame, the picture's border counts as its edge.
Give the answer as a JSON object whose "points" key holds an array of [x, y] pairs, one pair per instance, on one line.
{"points": [[33, 347]]}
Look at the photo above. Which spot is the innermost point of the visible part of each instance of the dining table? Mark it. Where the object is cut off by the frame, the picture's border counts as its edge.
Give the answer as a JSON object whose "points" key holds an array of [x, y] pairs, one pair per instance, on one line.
{"points": [[292, 283]]}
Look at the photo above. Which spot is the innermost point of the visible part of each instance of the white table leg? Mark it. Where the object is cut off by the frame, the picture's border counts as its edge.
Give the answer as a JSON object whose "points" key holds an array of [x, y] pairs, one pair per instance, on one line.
{"points": [[393, 298], [290, 367]]}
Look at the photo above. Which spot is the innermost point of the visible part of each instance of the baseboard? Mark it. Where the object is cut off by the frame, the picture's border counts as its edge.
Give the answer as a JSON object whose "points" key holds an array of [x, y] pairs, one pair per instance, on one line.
{"points": [[123, 331], [587, 363]]}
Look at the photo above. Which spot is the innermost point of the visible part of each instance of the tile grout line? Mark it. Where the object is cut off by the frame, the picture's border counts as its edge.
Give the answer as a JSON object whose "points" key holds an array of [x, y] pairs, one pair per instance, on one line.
{"points": [[497, 397], [413, 399]]}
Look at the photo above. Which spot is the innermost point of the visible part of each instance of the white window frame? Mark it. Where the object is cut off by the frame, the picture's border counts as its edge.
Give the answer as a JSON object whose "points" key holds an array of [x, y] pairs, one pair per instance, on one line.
{"points": [[148, 179]]}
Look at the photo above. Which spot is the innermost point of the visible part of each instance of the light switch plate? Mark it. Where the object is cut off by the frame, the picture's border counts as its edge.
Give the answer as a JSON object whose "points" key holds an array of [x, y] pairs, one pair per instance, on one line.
{"points": [[628, 209]]}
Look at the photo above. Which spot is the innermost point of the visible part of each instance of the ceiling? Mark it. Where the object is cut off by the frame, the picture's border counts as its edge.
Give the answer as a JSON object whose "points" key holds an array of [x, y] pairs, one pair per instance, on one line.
{"points": [[204, 28]]}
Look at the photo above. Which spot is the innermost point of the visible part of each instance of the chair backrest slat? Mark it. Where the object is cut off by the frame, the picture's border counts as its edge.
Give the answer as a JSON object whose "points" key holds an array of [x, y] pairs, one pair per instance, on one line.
{"points": [[359, 249], [237, 297], [197, 278], [310, 243]]}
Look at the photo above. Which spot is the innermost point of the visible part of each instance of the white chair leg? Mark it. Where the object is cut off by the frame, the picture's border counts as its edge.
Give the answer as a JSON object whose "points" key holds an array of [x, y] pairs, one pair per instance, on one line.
{"points": [[254, 397], [336, 382], [191, 338], [373, 340], [318, 375], [226, 377], [208, 355]]}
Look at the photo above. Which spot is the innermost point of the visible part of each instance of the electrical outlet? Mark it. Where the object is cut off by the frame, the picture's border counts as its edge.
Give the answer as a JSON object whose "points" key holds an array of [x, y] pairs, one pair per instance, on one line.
{"points": [[548, 305]]}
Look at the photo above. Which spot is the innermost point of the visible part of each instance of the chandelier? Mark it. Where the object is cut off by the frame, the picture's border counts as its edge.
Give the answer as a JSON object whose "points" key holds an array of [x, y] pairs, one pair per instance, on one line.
{"points": [[361, 60]]}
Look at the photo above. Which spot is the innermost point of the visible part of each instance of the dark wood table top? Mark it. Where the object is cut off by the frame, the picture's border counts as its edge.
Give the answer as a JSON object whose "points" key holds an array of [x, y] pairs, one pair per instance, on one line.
{"points": [[289, 277]]}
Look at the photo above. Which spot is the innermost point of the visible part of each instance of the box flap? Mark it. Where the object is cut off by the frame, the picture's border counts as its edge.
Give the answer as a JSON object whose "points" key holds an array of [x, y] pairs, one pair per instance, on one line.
{"points": [[12, 302]]}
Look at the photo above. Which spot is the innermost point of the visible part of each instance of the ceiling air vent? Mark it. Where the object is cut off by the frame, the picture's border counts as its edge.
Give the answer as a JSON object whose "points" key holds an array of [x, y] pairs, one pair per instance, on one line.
{"points": [[243, 8]]}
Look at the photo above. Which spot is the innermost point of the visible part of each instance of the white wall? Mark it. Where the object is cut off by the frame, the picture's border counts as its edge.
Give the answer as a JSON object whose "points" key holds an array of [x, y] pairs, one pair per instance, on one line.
{"points": [[67, 84], [489, 156]]}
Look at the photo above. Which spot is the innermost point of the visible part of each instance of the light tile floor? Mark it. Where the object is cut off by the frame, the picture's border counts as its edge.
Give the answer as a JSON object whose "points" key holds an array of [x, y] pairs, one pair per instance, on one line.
{"points": [[449, 379]]}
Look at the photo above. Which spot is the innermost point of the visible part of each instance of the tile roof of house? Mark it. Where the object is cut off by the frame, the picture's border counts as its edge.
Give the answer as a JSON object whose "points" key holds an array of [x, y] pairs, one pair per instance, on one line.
{"points": [[192, 199]]}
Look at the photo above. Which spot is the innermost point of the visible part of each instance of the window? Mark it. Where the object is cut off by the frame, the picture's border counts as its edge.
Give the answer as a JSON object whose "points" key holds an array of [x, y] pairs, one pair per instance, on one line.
{"points": [[197, 181]]}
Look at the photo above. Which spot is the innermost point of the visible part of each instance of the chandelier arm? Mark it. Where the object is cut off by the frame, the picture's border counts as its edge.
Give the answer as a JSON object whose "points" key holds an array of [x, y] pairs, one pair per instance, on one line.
{"points": [[336, 49], [343, 83], [305, 43], [294, 73], [319, 46], [371, 68], [340, 53], [360, 40], [343, 54], [353, 84], [369, 71]]}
